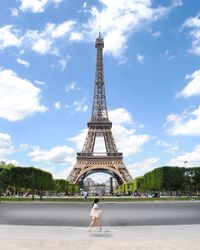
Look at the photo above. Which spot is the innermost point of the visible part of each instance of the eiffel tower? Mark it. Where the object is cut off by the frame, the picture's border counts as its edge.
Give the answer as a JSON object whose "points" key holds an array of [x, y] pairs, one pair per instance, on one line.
{"points": [[110, 162]]}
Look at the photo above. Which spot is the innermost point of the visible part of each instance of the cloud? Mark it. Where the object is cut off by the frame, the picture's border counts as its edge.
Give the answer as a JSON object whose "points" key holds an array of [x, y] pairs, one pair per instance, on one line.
{"points": [[60, 174], [19, 98], [23, 62], [6, 146], [63, 62], [57, 31], [13, 162], [36, 6], [57, 105], [75, 36], [42, 46], [76, 106], [186, 123], [72, 86], [79, 139], [9, 37], [119, 19], [170, 147], [171, 57], [100, 177], [156, 34], [168, 55], [80, 106], [140, 58], [40, 82], [14, 12], [120, 116], [142, 167], [56, 155], [193, 23], [23, 147], [126, 139], [193, 87], [42, 42], [191, 158]]}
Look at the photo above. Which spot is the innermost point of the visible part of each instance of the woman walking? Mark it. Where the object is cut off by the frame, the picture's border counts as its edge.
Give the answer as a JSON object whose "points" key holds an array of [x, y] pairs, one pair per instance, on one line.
{"points": [[95, 214]]}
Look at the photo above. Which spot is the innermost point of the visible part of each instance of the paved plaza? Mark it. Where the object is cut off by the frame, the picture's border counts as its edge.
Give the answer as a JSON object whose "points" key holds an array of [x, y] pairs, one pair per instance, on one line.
{"points": [[182, 237], [43, 229]]}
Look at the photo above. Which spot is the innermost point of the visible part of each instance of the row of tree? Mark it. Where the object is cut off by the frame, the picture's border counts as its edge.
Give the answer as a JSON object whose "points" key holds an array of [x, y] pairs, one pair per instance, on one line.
{"points": [[166, 179], [29, 180]]}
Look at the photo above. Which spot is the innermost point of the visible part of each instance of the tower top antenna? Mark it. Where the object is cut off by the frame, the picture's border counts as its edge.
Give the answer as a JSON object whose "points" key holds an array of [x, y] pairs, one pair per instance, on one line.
{"points": [[99, 31]]}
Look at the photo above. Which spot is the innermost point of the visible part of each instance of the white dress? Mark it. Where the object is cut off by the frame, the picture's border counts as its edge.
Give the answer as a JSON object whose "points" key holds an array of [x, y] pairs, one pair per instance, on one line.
{"points": [[95, 211]]}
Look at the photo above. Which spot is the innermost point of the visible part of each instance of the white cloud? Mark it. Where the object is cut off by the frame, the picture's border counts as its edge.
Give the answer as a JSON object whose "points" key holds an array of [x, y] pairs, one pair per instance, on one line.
{"points": [[19, 98], [193, 87], [60, 30], [156, 34], [126, 140], [191, 158], [56, 155], [171, 57], [72, 86], [193, 23], [6, 146], [166, 52], [13, 162], [42, 46], [80, 106], [76, 106], [63, 174], [168, 55], [140, 58], [84, 4], [76, 36], [186, 123], [142, 167], [170, 147], [15, 12], [40, 82], [36, 6], [57, 105], [119, 19], [43, 42], [63, 62], [120, 116], [79, 139], [23, 62], [9, 36], [23, 146], [99, 177]]}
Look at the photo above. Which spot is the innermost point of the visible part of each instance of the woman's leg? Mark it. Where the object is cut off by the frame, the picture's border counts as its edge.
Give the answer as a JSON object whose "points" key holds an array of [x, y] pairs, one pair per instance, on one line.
{"points": [[92, 223], [99, 223]]}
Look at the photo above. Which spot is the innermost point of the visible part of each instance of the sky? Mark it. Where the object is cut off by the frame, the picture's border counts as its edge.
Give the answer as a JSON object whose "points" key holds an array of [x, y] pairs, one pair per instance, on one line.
{"points": [[152, 81]]}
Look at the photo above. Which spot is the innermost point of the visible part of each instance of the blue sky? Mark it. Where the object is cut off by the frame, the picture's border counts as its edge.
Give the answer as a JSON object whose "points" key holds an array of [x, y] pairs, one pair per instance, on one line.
{"points": [[152, 77]]}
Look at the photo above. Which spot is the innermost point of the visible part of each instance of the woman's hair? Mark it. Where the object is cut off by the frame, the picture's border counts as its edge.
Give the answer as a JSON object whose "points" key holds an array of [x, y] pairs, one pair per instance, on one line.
{"points": [[96, 200]]}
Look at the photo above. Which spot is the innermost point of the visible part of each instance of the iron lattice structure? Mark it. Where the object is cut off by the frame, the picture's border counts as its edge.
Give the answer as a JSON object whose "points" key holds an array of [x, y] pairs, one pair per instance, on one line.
{"points": [[111, 161]]}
